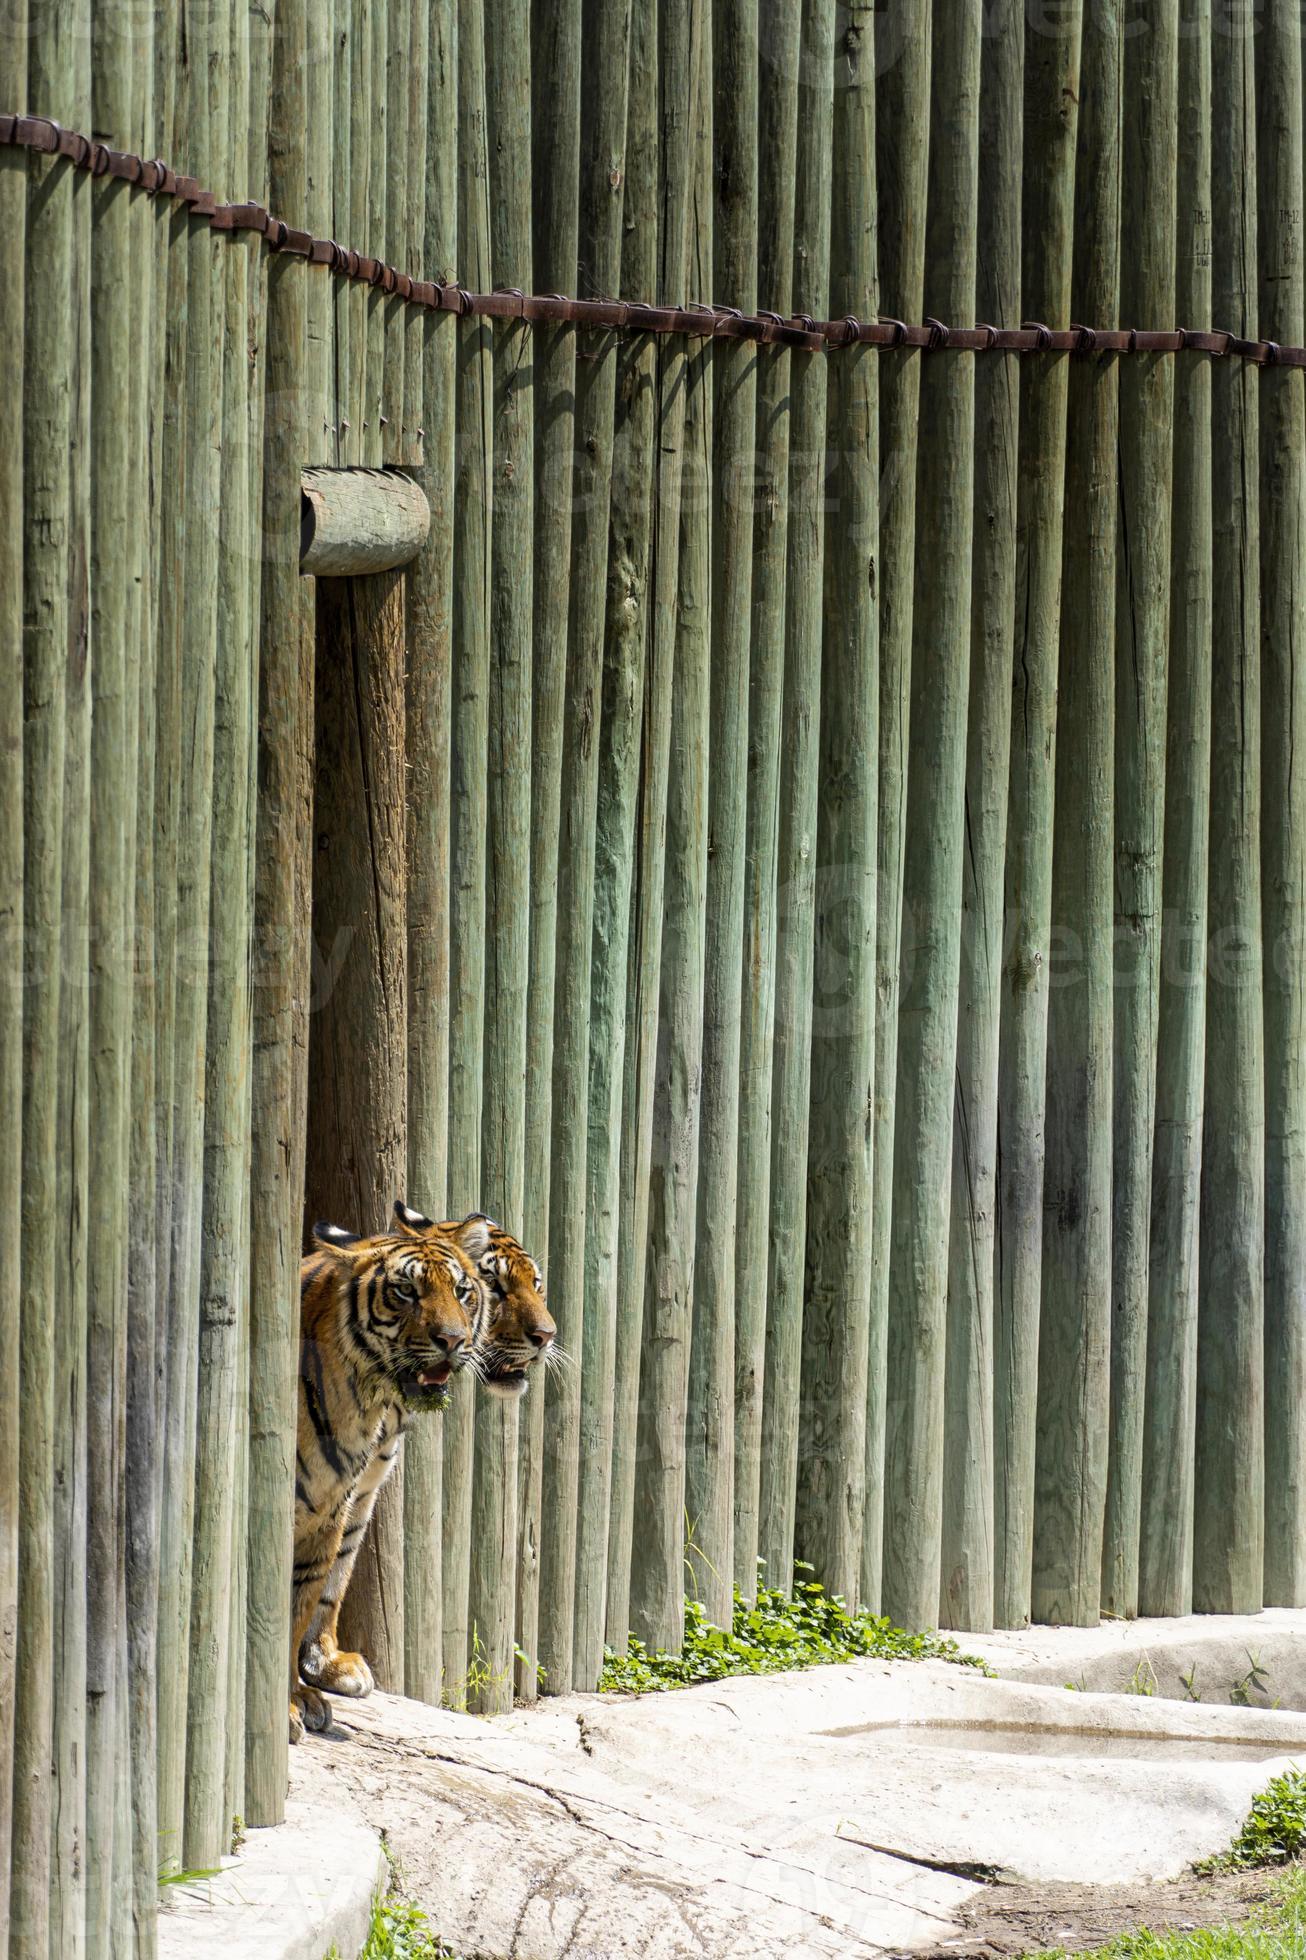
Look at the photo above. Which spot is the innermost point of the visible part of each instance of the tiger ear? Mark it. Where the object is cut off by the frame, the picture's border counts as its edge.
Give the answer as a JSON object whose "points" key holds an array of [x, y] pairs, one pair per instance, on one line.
{"points": [[333, 1238], [411, 1221], [474, 1234]]}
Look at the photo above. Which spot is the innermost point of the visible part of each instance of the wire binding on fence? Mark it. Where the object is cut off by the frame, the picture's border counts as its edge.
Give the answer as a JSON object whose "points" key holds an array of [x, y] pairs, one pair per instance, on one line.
{"points": [[698, 321]]}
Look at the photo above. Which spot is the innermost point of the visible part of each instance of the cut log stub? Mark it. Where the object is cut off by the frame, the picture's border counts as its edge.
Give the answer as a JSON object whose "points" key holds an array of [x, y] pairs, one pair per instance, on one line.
{"points": [[358, 521]]}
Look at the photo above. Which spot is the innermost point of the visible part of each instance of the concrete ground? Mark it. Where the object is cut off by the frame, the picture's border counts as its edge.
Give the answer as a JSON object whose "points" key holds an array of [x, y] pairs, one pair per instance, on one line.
{"points": [[847, 1811]]}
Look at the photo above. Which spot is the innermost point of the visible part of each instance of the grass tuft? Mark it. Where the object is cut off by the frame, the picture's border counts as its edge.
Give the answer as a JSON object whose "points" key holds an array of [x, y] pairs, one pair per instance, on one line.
{"points": [[804, 1628]]}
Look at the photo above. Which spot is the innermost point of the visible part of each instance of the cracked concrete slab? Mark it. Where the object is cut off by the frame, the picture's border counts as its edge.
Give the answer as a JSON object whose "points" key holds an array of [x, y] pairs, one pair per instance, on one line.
{"points": [[844, 1811]]}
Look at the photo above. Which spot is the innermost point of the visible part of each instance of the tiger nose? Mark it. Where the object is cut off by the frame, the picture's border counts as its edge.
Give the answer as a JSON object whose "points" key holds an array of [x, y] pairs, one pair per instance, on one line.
{"points": [[451, 1339], [541, 1336]]}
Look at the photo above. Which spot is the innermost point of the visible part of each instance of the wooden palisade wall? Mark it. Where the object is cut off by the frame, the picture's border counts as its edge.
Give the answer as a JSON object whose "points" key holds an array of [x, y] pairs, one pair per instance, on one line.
{"points": [[834, 883]]}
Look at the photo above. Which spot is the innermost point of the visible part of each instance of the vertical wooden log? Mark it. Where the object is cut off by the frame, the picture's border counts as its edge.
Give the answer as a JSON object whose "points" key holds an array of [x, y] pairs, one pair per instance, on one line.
{"points": [[1074, 1336], [902, 53], [831, 1496], [622, 627], [429, 728], [377, 22], [224, 1259], [86, 1747], [343, 302], [47, 325], [13, 218], [1166, 1528], [969, 1562], [473, 523], [710, 1444], [1229, 1477], [140, 1577], [281, 954], [251, 124], [927, 1020], [508, 841], [115, 504], [412, 324], [778, 30], [683, 601], [590, 1382], [1283, 843], [357, 1148], [578, 1421], [548, 1418], [1143, 607], [201, 379], [1051, 89], [166, 826], [796, 860], [635, 728]]}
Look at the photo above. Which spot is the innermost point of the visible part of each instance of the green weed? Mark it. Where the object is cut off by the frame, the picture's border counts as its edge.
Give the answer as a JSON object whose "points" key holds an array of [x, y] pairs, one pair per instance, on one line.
{"points": [[783, 1630], [1275, 1831]]}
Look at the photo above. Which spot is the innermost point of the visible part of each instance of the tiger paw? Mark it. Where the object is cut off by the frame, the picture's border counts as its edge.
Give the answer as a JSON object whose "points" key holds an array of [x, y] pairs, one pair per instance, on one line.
{"points": [[345, 1674], [310, 1709]]}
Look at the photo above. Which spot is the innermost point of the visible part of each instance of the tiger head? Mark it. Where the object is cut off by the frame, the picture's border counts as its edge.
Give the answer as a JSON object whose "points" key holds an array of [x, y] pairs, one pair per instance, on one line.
{"points": [[518, 1328], [413, 1308]]}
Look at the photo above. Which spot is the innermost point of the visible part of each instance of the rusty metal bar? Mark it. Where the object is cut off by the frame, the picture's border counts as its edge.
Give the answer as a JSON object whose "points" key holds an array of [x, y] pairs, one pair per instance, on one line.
{"points": [[154, 176]]}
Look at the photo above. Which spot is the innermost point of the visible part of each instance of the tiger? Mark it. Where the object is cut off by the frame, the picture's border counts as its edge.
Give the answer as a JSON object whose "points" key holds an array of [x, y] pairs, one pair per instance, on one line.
{"points": [[385, 1323], [518, 1329]]}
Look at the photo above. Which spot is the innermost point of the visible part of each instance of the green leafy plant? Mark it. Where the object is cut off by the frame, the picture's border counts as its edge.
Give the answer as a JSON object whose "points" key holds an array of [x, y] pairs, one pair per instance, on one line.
{"points": [[1255, 1682], [399, 1929], [1189, 1683], [1143, 1679], [1275, 1831], [783, 1630]]}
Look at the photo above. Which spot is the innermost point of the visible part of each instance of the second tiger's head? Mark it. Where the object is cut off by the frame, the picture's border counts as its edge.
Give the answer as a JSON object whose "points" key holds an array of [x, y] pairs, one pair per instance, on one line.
{"points": [[518, 1330], [414, 1306]]}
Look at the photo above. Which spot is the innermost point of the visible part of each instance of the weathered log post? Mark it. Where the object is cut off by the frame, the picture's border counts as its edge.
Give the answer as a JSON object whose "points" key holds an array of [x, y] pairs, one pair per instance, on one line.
{"points": [[837, 1330], [429, 729], [1147, 292], [636, 720], [281, 956], [710, 1447], [902, 146], [1282, 316], [777, 171], [1070, 1464], [468, 789], [1052, 69], [680, 629], [13, 203], [972, 1537], [927, 1019], [1166, 1525]]}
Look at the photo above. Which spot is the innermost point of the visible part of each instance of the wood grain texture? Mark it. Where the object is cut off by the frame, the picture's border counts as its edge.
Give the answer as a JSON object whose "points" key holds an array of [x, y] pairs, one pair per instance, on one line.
{"points": [[682, 599], [1147, 275], [1060, 1574], [1229, 1470], [902, 55], [1283, 844], [1169, 1430], [936, 778], [971, 1533], [777, 92], [13, 221], [603, 121]]}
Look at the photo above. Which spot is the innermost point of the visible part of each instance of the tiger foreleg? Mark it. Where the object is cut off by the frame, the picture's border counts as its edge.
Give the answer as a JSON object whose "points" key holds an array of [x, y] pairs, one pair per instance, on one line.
{"points": [[321, 1658]]}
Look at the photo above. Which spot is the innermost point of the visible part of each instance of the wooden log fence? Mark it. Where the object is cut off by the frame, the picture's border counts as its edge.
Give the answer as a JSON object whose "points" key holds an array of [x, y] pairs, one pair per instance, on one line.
{"points": [[793, 811]]}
